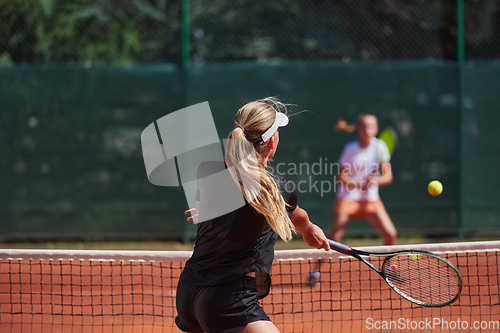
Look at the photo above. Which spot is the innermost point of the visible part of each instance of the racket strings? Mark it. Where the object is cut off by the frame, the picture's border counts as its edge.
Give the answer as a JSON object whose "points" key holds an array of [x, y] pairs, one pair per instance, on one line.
{"points": [[423, 278]]}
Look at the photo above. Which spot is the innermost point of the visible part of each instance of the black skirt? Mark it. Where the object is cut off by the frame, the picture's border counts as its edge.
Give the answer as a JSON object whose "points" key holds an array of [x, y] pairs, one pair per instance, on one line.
{"points": [[223, 308]]}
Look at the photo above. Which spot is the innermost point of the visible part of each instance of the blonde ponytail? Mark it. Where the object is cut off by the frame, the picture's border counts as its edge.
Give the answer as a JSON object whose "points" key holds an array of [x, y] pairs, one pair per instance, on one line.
{"points": [[243, 158], [343, 127]]}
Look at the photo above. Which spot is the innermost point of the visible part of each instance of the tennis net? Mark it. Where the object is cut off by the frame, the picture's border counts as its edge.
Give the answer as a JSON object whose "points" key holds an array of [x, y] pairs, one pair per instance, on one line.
{"points": [[134, 291]]}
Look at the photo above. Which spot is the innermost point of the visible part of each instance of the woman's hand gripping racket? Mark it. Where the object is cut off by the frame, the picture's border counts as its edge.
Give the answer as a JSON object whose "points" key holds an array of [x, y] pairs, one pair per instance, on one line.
{"points": [[421, 277]]}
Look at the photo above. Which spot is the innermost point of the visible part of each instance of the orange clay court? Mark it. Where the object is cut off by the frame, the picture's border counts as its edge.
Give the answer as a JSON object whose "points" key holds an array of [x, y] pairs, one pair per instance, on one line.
{"points": [[76, 294]]}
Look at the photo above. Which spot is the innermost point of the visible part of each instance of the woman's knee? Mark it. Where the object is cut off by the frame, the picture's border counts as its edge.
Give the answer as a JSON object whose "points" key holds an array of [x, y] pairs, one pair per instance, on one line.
{"points": [[340, 220]]}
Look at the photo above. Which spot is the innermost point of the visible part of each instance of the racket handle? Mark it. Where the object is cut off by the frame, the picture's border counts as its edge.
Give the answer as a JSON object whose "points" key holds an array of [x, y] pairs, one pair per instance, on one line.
{"points": [[339, 247]]}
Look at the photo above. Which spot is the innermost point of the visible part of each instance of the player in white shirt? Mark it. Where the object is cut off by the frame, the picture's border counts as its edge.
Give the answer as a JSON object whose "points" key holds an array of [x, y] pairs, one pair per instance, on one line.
{"points": [[364, 166]]}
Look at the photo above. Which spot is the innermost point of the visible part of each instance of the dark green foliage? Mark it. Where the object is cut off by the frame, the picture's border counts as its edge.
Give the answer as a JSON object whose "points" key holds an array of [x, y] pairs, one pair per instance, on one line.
{"points": [[149, 31], [75, 31]]}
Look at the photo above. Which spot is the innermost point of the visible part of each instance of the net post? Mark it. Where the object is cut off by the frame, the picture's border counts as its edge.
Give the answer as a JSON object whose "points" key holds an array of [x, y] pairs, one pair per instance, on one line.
{"points": [[185, 63], [460, 114], [185, 33]]}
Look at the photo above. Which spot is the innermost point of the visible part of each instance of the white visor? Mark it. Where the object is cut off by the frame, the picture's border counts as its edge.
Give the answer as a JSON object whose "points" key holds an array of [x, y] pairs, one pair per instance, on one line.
{"points": [[281, 120]]}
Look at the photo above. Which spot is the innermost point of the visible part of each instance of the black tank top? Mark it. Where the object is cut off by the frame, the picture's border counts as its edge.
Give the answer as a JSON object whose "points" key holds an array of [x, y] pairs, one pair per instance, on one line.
{"points": [[235, 244]]}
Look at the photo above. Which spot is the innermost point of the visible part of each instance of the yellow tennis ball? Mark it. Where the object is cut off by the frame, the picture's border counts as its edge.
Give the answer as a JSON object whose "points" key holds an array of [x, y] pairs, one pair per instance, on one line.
{"points": [[435, 188]]}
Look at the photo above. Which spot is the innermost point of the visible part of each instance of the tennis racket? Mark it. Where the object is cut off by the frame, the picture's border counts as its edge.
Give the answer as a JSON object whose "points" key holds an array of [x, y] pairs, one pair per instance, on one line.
{"points": [[421, 277], [390, 137]]}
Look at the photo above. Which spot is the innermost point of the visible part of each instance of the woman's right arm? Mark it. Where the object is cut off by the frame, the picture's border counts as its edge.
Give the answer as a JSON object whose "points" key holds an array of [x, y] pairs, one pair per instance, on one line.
{"points": [[346, 179], [312, 234], [343, 177]]}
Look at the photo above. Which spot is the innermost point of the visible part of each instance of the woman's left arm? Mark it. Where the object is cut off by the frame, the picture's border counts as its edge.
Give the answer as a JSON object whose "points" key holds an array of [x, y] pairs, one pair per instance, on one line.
{"points": [[312, 234], [384, 179]]}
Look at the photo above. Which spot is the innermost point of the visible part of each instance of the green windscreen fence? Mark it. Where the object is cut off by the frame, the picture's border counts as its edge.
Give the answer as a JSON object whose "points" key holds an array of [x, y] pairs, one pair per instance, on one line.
{"points": [[481, 116], [72, 165]]}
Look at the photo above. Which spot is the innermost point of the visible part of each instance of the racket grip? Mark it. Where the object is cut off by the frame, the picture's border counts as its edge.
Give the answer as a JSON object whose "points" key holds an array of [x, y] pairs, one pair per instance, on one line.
{"points": [[339, 247]]}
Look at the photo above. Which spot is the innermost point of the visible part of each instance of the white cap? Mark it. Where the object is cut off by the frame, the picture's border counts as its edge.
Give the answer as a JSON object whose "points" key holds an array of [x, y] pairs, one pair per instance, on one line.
{"points": [[281, 120]]}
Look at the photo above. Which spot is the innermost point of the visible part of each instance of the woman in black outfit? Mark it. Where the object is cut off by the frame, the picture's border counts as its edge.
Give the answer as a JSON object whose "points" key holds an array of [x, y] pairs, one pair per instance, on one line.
{"points": [[228, 273]]}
